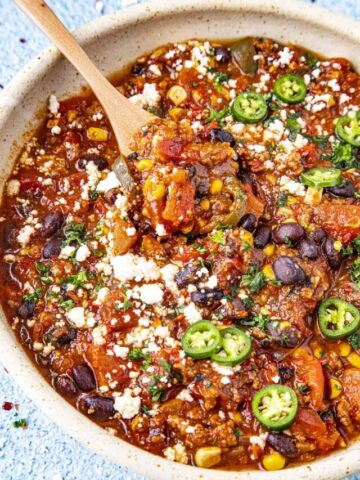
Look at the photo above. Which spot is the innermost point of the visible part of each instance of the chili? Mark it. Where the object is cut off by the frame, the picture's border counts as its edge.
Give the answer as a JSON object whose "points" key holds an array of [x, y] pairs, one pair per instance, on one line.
{"points": [[201, 340], [249, 107], [322, 177], [348, 129], [275, 406], [236, 347], [290, 88], [338, 318]]}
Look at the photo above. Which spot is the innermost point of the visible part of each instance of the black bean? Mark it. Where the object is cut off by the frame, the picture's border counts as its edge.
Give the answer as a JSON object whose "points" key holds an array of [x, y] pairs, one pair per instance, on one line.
{"points": [[248, 221], [308, 249], [318, 235], [84, 378], [207, 297], [286, 374], [346, 190], [97, 407], [222, 136], [191, 169], [245, 178], [52, 222], [262, 236], [291, 232], [282, 443], [287, 271], [26, 309], [187, 275], [52, 248], [65, 385], [171, 392], [98, 160], [61, 335], [222, 55], [334, 257], [138, 69]]}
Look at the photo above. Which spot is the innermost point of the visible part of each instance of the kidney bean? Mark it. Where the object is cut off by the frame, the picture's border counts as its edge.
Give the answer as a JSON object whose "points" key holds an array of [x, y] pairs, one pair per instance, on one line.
{"points": [[308, 249], [26, 309], [286, 374], [61, 335], [346, 190], [222, 55], [65, 385], [52, 248], [84, 378], [248, 221], [282, 443], [97, 407], [207, 297], [171, 392], [222, 136], [138, 69], [53, 221], [288, 232], [98, 160], [333, 256], [262, 236], [318, 235], [287, 271]]}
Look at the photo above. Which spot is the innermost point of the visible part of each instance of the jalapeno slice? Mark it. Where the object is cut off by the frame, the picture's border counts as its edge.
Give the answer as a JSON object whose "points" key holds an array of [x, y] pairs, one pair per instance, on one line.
{"points": [[249, 107], [275, 406], [236, 347], [201, 340], [337, 318], [322, 177], [348, 129], [290, 88]]}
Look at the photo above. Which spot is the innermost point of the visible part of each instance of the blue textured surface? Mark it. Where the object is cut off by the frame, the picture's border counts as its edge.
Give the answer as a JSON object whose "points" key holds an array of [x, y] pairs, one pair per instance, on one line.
{"points": [[43, 451]]}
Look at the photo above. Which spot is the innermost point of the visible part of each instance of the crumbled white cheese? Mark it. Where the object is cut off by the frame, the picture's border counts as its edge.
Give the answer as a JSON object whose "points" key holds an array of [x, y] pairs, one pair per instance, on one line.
{"points": [[259, 440], [56, 130], [127, 405], [148, 98], [110, 182], [129, 266], [82, 253], [98, 335], [53, 105], [151, 293], [25, 234], [160, 230], [76, 317], [168, 274], [177, 453], [67, 252], [291, 186], [192, 314], [121, 352]]}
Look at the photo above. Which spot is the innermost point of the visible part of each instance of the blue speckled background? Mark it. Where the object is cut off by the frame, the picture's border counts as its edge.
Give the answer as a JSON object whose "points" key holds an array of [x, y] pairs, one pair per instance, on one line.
{"points": [[43, 451]]}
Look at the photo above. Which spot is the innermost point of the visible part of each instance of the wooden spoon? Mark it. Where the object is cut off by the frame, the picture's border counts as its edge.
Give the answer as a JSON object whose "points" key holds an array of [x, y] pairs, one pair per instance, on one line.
{"points": [[125, 117]]}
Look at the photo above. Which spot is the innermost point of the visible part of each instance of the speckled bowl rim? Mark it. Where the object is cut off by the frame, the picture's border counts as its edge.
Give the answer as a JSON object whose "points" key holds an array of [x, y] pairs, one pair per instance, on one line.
{"points": [[12, 355]]}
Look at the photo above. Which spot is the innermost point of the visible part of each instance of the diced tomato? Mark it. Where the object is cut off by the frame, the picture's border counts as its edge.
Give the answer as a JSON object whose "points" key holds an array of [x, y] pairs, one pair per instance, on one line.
{"points": [[102, 364], [171, 149], [185, 254], [309, 371], [29, 185], [309, 424], [350, 380], [253, 204], [341, 221], [180, 204]]}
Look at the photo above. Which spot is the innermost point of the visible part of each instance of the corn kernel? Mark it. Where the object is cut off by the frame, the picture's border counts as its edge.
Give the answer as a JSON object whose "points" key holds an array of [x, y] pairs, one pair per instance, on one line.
{"points": [[289, 220], [144, 164], [313, 195], [269, 250], [177, 114], [319, 352], [52, 123], [177, 94], [205, 204], [71, 115], [238, 419], [135, 423], [354, 359], [285, 324], [154, 191], [216, 186], [269, 272], [247, 238], [335, 388], [97, 134], [337, 245], [273, 461], [159, 191], [291, 200], [332, 101], [187, 229], [206, 457], [344, 349]]}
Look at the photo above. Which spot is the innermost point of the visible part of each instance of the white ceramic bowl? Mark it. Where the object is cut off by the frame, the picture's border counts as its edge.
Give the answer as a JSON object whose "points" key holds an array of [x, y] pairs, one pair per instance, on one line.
{"points": [[112, 42]]}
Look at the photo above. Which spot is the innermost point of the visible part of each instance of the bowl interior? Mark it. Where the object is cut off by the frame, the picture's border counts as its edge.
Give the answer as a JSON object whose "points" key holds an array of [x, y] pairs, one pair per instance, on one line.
{"points": [[113, 42]]}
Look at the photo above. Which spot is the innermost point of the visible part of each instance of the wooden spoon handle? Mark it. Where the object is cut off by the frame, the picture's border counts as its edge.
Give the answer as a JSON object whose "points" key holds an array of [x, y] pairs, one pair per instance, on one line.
{"points": [[120, 110]]}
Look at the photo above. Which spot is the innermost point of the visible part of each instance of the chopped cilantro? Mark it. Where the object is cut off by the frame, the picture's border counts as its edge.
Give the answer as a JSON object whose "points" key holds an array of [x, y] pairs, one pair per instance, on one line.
{"points": [[219, 78], [44, 272], [254, 279], [218, 236], [155, 391], [343, 156], [237, 432], [282, 200], [352, 248], [66, 303], [166, 366], [33, 296], [137, 355], [199, 248], [261, 321], [93, 195], [354, 341], [78, 280], [74, 233], [145, 410], [311, 60], [304, 389], [355, 272], [293, 126], [99, 229], [20, 423], [320, 140]]}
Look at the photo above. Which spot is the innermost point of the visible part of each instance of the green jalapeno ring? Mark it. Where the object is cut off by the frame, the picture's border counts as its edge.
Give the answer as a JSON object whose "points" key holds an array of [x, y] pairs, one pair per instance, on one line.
{"points": [[348, 129], [338, 318], [236, 347], [275, 406], [249, 107], [201, 340], [322, 177], [290, 88]]}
